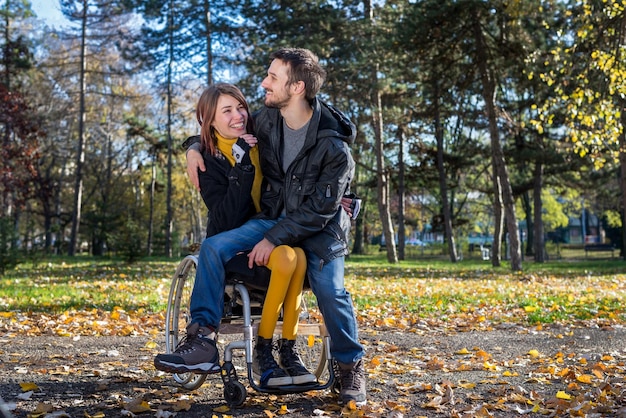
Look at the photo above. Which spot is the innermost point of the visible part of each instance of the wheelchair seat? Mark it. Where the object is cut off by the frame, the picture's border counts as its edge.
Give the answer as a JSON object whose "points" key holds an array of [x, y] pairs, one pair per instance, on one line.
{"points": [[256, 280], [257, 277]]}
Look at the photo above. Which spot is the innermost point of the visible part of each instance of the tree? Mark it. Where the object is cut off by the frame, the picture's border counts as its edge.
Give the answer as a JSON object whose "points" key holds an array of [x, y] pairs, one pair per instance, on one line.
{"points": [[167, 39], [19, 132], [587, 70]]}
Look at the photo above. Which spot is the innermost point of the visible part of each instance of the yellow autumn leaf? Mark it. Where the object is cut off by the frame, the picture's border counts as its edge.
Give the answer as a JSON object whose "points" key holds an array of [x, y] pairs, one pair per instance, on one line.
{"points": [[41, 410], [533, 353], [310, 341], [221, 409], [98, 414], [597, 373], [137, 406], [584, 378], [489, 366], [390, 322], [283, 410], [463, 351], [530, 309], [563, 395], [467, 385], [27, 386]]}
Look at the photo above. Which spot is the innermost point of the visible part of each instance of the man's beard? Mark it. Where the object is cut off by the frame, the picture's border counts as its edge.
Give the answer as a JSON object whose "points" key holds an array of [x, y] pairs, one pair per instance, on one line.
{"points": [[277, 104]]}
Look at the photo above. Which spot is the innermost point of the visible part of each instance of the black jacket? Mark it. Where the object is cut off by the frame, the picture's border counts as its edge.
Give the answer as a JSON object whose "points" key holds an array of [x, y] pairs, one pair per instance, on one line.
{"points": [[225, 191], [311, 189]]}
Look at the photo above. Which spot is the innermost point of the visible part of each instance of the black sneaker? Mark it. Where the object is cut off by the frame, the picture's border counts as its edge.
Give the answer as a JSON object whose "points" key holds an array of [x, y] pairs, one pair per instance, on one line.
{"points": [[291, 362], [352, 380], [264, 367], [197, 353]]}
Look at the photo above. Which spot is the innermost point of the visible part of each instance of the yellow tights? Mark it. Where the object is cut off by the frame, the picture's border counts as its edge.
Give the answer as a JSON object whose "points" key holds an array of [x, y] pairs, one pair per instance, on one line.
{"points": [[288, 266]]}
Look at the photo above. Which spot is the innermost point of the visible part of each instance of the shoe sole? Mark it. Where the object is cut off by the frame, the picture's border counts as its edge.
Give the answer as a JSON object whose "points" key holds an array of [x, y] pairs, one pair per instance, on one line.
{"points": [[304, 379], [274, 381], [357, 403], [198, 369]]}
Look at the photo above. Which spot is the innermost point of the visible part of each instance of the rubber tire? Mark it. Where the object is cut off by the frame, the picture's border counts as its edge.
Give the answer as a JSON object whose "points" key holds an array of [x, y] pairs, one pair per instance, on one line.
{"points": [[178, 316], [235, 393]]}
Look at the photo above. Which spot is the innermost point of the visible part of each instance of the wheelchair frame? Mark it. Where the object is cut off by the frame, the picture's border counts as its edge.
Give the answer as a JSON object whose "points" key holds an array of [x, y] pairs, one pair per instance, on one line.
{"points": [[243, 296]]}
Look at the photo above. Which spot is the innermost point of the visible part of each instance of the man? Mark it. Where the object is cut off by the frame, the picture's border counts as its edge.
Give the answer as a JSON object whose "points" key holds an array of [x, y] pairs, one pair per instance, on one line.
{"points": [[307, 168]]}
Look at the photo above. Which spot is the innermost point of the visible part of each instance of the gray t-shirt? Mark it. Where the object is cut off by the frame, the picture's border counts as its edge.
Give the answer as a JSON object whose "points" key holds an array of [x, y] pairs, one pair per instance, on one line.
{"points": [[293, 143]]}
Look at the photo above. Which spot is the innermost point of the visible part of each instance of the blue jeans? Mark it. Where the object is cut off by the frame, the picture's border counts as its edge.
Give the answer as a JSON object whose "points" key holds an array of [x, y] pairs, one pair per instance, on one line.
{"points": [[327, 283]]}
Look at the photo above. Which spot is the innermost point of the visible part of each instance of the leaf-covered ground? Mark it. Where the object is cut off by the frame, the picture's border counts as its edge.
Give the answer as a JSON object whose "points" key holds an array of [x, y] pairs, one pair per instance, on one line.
{"points": [[77, 339]]}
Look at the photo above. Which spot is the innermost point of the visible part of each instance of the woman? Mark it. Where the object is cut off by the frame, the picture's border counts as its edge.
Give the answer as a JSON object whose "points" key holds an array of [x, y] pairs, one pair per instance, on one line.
{"points": [[231, 189]]}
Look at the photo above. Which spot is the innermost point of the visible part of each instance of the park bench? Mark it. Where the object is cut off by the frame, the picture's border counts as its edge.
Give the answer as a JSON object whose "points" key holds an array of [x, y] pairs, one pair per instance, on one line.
{"points": [[597, 247]]}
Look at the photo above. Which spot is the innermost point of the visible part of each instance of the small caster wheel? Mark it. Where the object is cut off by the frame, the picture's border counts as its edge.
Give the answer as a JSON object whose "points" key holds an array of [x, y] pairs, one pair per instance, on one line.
{"points": [[190, 381], [234, 393]]}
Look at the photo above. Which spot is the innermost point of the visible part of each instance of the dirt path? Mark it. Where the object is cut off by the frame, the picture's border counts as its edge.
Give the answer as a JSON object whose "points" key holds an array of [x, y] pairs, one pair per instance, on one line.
{"points": [[498, 373]]}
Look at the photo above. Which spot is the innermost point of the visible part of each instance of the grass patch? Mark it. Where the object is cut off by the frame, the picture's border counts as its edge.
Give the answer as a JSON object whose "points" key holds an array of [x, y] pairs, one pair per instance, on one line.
{"points": [[470, 291], [57, 285]]}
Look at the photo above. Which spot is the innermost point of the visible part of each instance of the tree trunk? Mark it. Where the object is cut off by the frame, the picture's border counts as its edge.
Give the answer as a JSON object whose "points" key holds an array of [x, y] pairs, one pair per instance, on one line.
{"points": [[528, 212], [80, 149], [622, 161], [498, 215], [169, 221], [152, 193], [538, 241], [443, 183], [500, 171], [383, 180], [401, 227], [382, 176]]}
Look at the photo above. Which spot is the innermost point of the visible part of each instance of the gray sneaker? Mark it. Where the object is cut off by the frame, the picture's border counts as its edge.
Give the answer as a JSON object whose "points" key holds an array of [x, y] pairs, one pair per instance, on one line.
{"points": [[352, 382], [197, 353]]}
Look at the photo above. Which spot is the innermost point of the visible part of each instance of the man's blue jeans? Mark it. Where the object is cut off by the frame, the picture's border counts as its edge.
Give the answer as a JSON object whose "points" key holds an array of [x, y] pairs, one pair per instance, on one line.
{"points": [[327, 283]]}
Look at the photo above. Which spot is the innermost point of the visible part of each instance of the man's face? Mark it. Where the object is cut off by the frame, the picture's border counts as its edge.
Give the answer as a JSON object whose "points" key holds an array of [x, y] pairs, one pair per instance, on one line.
{"points": [[277, 92]]}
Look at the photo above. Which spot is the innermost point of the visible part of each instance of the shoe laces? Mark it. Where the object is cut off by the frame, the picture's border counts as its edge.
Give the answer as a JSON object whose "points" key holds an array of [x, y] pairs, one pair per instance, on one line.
{"points": [[188, 342], [352, 379], [266, 356], [288, 356]]}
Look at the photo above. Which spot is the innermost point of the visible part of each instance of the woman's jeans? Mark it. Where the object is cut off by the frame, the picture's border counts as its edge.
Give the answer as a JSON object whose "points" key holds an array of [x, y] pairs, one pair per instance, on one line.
{"points": [[326, 280]]}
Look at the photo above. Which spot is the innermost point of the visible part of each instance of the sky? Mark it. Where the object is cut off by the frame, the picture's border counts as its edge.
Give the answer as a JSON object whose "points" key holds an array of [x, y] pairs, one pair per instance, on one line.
{"points": [[48, 10]]}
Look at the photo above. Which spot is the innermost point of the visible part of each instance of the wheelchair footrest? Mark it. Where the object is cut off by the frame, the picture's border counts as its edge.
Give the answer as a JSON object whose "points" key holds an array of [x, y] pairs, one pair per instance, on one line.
{"points": [[317, 330]]}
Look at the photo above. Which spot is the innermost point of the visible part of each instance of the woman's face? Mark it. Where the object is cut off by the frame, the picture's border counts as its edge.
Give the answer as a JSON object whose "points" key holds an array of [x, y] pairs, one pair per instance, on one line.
{"points": [[230, 117]]}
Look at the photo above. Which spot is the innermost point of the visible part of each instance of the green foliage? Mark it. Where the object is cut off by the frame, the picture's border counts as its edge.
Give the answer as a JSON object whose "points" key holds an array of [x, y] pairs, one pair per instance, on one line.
{"points": [[421, 56], [129, 239], [553, 217], [613, 219]]}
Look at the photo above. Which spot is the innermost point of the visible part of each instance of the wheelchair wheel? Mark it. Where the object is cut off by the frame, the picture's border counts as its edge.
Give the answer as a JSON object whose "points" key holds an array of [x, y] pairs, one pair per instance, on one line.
{"points": [[235, 393], [178, 316]]}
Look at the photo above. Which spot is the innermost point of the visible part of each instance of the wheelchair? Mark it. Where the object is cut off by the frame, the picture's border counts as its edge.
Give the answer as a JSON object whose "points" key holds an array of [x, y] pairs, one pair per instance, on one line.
{"points": [[243, 302]]}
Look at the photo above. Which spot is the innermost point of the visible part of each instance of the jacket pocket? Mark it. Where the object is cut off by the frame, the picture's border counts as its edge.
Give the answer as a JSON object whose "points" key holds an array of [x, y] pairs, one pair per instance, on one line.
{"points": [[328, 244]]}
